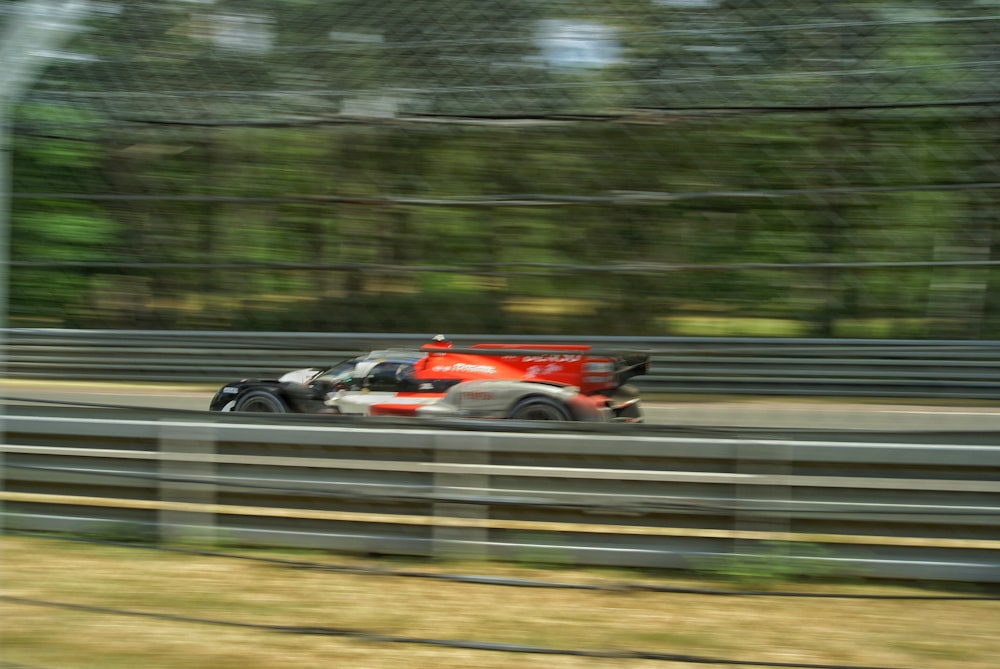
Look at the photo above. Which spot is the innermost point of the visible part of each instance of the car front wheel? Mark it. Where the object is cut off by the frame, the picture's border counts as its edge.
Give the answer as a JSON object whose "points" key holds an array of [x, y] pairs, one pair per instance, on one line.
{"points": [[261, 401]]}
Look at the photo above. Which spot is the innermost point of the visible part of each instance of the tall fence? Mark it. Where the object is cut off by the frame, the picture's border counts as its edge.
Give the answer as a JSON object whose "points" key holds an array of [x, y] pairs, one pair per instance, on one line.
{"points": [[796, 168]]}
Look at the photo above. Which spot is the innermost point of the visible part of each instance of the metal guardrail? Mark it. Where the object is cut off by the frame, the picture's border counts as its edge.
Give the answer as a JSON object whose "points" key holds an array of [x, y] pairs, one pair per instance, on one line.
{"points": [[875, 504], [690, 365]]}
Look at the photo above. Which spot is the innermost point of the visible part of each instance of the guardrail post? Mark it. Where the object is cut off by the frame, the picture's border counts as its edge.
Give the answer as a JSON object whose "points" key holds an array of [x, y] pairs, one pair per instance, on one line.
{"points": [[752, 514], [464, 541], [187, 477]]}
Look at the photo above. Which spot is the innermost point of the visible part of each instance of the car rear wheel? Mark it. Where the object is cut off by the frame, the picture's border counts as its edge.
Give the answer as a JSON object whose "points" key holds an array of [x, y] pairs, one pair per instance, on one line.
{"points": [[539, 408], [261, 401]]}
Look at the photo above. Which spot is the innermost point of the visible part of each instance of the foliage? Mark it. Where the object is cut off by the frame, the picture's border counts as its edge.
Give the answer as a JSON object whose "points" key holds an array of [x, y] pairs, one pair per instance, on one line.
{"points": [[45, 230], [772, 563]]}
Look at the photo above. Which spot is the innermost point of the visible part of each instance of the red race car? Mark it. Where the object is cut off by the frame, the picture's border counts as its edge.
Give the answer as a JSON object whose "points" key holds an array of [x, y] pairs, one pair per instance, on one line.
{"points": [[512, 381]]}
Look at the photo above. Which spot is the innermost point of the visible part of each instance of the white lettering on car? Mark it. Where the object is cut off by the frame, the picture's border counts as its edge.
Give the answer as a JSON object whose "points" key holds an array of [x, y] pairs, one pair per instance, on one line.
{"points": [[562, 357], [541, 370], [466, 367], [477, 369]]}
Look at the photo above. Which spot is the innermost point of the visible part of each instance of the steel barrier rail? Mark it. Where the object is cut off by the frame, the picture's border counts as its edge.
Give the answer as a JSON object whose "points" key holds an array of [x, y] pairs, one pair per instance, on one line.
{"points": [[691, 365], [866, 504]]}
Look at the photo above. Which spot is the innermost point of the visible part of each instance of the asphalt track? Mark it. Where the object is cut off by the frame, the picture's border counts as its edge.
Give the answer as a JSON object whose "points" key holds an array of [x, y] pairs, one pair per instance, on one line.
{"points": [[916, 415]]}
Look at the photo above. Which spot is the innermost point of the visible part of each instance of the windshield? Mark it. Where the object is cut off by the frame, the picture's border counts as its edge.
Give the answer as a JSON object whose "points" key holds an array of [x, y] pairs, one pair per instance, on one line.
{"points": [[341, 372]]}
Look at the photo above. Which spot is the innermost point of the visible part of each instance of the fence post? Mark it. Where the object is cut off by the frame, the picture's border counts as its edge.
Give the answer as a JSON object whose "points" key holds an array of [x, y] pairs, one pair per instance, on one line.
{"points": [[187, 475], [752, 513], [461, 541]]}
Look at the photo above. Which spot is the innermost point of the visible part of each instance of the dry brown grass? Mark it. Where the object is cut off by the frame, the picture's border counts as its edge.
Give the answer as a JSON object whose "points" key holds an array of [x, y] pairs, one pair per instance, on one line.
{"points": [[912, 634]]}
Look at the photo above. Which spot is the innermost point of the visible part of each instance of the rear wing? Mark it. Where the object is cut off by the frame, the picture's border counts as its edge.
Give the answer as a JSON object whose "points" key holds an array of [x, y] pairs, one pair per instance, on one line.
{"points": [[631, 364]]}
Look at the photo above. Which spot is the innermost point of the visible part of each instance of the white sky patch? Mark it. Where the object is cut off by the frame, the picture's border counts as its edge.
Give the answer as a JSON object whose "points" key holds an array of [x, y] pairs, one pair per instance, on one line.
{"points": [[66, 55], [250, 33], [584, 44]]}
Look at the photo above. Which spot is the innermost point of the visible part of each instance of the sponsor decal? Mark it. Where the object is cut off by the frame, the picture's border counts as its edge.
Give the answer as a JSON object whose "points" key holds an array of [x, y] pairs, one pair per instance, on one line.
{"points": [[542, 370], [555, 357], [599, 367], [466, 367], [229, 390], [477, 396]]}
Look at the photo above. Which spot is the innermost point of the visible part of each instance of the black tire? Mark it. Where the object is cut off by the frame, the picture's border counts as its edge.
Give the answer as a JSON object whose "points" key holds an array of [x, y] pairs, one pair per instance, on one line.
{"points": [[539, 408], [261, 401]]}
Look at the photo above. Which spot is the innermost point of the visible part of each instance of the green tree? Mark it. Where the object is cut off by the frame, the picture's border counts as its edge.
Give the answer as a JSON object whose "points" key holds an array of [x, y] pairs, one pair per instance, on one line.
{"points": [[54, 159]]}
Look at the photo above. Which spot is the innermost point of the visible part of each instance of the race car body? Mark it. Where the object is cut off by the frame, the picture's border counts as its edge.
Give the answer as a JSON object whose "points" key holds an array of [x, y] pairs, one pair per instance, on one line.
{"points": [[498, 381]]}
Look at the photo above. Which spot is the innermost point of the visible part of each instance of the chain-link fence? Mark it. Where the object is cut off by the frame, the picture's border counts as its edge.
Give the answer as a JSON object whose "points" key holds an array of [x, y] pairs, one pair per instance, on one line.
{"points": [[648, 167]]}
